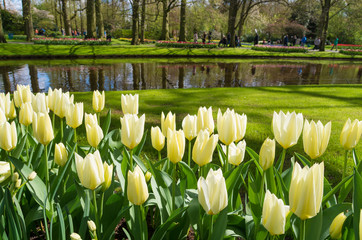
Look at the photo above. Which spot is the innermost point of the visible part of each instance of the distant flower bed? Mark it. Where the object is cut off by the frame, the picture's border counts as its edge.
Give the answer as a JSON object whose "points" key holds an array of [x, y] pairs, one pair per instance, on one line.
{"points": [[185, 44], [351, 51], [144, 41], [70, 41], [349, 46], [279, 49]]}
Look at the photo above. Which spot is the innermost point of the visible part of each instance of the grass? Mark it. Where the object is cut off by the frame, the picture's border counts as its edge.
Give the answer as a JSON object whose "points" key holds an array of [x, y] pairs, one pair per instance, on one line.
{"points": [[325, 103], [120, 48]]}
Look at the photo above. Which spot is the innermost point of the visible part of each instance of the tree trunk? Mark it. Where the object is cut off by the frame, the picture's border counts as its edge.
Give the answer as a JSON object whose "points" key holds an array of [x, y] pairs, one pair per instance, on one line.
{"points": [[243, 16], [81, 19], [28, 20], [135, 22], [183, 21], [233, 11], [66, 20], [61, 17], [324, 19], [4, 5], [75, 17], [2, 37], [99, 17], [143, 19], [55, 15], [90, 19], [165, 27]]}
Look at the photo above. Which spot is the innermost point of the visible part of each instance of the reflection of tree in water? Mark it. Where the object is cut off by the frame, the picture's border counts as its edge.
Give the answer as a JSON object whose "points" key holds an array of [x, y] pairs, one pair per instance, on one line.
{"points": [[359, 75], [93, 78], [101, 79], [4, 70], [311, 74], [181, 75], [136, 75], [143, 80]]}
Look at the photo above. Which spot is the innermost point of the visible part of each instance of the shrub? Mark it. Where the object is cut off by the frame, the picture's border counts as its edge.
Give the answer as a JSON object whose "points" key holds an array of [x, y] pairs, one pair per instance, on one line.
{"points": [[351, 51], [70, 41], [185, 44], [279, 49]]}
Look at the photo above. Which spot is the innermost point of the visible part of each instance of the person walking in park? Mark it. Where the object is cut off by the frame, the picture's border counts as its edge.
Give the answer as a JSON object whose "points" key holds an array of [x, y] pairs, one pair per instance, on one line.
{"points": [[256, 39], [209, 36], [195, 37], [285, 41], [304, 41], [204, 38], [317, 42], [335, 44]]}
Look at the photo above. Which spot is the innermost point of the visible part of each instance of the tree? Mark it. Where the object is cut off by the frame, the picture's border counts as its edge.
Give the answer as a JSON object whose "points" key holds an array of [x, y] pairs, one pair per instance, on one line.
{"points": [[143, 19], [90, 19], [167, 6], [28, 21], [2, 37], [99, 19], [135, 22], [182, 37], [66, 19]]}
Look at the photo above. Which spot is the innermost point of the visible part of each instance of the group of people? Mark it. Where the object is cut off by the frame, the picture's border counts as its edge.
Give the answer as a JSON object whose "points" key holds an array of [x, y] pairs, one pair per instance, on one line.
{"points": [[40, 31], [226, 40], [204, 36]]}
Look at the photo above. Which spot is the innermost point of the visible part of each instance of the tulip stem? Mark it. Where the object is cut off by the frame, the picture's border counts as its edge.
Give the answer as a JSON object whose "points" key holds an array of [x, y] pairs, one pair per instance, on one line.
{"points": [[282, 161], [46, 168], [61, 129], [262, 187], [98, 118], [189, 155], [75, 140], [345, 164], [227, 159], [211, 226], [95, 209], [174, 188], [27, 144], [302, 230], [131, 160], [159, 155]]}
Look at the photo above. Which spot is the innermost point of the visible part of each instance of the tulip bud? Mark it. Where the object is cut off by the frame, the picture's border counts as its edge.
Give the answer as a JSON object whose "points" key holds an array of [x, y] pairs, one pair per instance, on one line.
{"points": [[108, 174], [335, 230], [8, 106], [40, 103], [129, 104], [42, 128], [315, 138], [98, 101], [12, 112], [94, 134], [18, 183], [74, 115], [236, 153], [157, 138], [267, 154], [306, 190], [148, 176], [189, 126], [132, 130], [274, 214], [75, 236], [90, 119], [8, 136], [212, 193], [26, 114], [205, 120], [204, 148], [351, 134], [60, 154], [175, 145], [61, 104], [287, 128], [168, 123], [90, 170], [137, 191], [241, 121], [32, 176], [4, 171], [53, 96], [92, 226], [22, 95], [15, 177], [226, 126]]}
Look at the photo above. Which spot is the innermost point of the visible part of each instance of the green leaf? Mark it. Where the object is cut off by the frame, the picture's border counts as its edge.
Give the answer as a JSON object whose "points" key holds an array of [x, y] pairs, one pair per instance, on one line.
{"points": [[328, 216], [220, 225], [116, 219], [190, 176], [11, 217], [86, 212], [357, 201], [255, 158], [303, 159], [114, 139], [138, 149], [61, 221], [20, 217], [107, 123], [355, 157], [313, 227], [331, 193], [270, 180], [16, 153], [161, 230], [221, 154]]}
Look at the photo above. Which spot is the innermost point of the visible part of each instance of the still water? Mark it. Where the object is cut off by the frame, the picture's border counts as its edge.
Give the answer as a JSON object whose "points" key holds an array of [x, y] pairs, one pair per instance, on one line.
{"points": [[129, 74]]}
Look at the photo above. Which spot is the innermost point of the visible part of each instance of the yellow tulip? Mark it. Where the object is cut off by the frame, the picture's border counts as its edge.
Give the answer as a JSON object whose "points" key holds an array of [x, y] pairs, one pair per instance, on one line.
{"points": [[148, 176], [32, 176], [2, 117], [168, 123], [74, 115], [52, 97], [40, 103], [7, 106], [189, 126], [132, 130], [287, 128], [61, 104], [335, 230], [157, 138], [8, 136], [94, 134], [267, 154], [274, 214], [90, 170], [316, 138], [241, 121], [60, 154], [204, 148], [26, 114], [351, 134], [175, 145], [137, 191], [205, 121], [42, 128], [91, 225], [5, 171], [212, 192], [75, 236], [90, 119], [306, 190], [226, 126], [236, 152], [129, 104], [108, 174], [98, 101], [22, 95], [11, 112]]}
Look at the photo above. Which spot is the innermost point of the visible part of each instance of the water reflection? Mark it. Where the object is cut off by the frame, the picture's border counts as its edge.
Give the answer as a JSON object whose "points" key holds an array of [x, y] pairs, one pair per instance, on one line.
{"points": [[113, 75]]}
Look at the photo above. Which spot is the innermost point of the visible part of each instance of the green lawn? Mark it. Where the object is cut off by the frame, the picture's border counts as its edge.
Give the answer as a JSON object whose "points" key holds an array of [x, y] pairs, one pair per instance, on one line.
{"points": [[326, 103], [124, 49]]}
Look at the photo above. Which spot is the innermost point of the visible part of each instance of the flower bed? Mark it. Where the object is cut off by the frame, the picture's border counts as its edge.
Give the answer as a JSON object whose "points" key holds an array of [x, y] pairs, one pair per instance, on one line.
{"points": [[144, 41], [54, 186], [349, 46], [70, 41], [279, 49], [185, 44], [351, 51]]}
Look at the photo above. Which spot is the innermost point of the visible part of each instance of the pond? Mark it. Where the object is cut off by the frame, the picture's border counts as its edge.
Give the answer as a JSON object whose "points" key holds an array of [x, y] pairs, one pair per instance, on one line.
{"points": [[129, 74]]}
